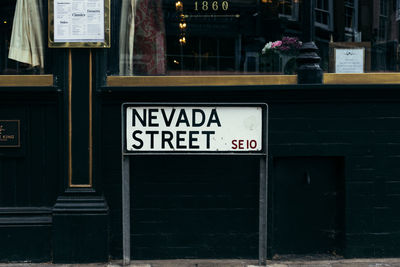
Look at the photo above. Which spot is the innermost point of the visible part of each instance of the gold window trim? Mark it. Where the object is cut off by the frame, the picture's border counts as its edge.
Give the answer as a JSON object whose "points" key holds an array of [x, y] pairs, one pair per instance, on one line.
{"points": [[362, 78], [210, 80], [26, 80], [238, 80], [139, 81]]}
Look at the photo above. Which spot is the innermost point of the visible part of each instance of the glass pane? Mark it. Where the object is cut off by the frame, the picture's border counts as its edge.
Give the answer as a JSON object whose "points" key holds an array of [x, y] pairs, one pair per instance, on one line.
{"points": [[186, 37], [22, 37], [201, 37]]}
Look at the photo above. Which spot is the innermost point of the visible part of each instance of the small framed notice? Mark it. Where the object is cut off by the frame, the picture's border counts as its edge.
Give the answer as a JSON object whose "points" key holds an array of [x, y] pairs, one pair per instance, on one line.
{"points": [[349, 60], [10, 133], [349, 57], [79, 23]]}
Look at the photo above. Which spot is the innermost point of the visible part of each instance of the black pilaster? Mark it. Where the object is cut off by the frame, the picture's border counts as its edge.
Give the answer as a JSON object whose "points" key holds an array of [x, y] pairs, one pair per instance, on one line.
{"points": [[80, 228], [80, 215]]}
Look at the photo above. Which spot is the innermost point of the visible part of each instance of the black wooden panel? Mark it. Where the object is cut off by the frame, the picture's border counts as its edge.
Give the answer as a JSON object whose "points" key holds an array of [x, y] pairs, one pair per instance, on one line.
{"points": [[29, 177], [111, 173], [308, 205], [191, 206], [26, 242], [80, 116]]}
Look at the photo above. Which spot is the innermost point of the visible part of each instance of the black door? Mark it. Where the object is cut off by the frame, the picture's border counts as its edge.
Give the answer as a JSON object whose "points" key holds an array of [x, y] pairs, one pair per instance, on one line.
{"points": [[308, 205]]}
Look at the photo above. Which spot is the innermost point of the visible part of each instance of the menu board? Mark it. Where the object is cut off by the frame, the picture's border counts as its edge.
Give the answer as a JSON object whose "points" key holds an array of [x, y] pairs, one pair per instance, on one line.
{"points": [[78, 21]]}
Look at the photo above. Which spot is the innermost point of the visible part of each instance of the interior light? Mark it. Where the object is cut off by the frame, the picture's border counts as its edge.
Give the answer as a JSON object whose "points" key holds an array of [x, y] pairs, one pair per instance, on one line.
{"points": [[182, 40], [179, 5]]}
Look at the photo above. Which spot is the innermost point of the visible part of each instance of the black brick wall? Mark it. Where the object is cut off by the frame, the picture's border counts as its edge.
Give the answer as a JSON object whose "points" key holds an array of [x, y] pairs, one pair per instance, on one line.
{"points": [[360, 124]]}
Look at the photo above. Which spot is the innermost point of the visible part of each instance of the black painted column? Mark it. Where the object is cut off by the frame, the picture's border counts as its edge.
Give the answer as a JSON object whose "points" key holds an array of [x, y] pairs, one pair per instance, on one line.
{"points": [[309, 70], [80, 215]]}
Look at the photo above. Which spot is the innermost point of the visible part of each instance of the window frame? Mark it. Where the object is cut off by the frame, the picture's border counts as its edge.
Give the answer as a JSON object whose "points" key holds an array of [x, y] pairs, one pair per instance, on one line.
{"points": [[383, 21], [397, 10], [329, 11], [294, 16], [354, 26]]}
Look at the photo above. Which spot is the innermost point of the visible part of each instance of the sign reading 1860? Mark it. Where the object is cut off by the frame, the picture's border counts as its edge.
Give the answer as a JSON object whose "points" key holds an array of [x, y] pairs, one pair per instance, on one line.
{"points": [[193, 128]]}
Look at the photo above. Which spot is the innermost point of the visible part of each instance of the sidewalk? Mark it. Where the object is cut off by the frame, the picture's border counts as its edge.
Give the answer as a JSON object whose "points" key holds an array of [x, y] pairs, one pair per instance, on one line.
{"points": [[387, 262]]}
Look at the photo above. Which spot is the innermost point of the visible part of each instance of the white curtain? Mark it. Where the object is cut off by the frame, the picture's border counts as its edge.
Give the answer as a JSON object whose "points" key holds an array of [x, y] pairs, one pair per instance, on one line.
{"points": [[27, 36], [126, 37]]}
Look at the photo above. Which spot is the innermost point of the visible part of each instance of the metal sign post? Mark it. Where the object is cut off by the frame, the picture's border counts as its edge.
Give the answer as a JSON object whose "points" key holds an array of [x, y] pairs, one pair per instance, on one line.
{"points": [[194, 129]]}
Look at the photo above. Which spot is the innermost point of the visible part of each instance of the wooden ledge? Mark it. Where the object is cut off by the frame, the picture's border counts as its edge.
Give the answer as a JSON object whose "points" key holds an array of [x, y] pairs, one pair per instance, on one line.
{"points": [[26, 80], [362, 78], [209, 80]]}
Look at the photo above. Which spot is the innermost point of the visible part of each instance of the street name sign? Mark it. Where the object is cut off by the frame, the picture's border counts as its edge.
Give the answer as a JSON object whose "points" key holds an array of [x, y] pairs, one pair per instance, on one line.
{"points": [[194, 128]]}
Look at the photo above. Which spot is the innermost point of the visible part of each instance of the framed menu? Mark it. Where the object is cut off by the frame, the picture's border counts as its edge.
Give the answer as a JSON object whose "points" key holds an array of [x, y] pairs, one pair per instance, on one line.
{"points": [[349, 57], [349, 60], [79, 23]]}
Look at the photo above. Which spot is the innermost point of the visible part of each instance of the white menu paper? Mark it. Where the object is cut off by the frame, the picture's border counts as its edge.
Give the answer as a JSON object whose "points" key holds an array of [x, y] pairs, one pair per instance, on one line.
{"points": [[349, 60], [78, 20]]}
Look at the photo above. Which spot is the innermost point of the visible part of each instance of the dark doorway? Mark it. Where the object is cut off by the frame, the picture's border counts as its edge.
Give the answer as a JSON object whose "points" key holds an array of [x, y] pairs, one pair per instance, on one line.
{"points": [[308, 205], [194, 207]]}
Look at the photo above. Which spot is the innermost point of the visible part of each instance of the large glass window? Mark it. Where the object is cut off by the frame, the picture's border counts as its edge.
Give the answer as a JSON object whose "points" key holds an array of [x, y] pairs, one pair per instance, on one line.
{"points": [[22, 37], [223, 37]]}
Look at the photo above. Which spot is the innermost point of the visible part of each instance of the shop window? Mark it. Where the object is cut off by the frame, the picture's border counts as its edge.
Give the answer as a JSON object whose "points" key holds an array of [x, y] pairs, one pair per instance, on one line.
{"points": [[233, 37], [206, 37], [22, 36]]}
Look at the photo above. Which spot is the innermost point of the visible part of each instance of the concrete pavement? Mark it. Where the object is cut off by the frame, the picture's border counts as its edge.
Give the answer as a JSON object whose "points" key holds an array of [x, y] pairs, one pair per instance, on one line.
{"points": [[300, 262]]}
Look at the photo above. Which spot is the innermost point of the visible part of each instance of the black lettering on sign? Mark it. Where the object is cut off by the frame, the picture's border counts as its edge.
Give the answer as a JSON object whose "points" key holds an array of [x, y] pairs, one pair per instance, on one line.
{"points": [[153, 117], [180, 139], [193, 139], [140, 145], [182, 118], [214, 118], [168, 121], [198, 117], [152, 133], [208, 137], [142, 119], [166, 137]]}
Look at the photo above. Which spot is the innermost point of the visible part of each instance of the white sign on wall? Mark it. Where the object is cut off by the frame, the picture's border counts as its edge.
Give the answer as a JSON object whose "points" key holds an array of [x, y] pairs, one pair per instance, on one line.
{"points": [[78, 20], [196, 128], [349, 60]]}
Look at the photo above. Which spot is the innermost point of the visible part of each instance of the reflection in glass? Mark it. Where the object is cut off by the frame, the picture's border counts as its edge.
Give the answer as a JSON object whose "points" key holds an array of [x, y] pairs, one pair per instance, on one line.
{"points": [[200, 37]]}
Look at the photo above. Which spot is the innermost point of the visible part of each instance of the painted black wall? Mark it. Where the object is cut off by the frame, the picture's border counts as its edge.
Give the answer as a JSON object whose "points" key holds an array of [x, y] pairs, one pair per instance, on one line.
{"points": [[29, 175], [355, 127], [357, 124]]}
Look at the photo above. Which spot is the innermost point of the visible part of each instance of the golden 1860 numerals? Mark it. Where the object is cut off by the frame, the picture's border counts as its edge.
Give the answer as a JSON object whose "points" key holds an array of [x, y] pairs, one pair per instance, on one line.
{"points": [[208, 5]]}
